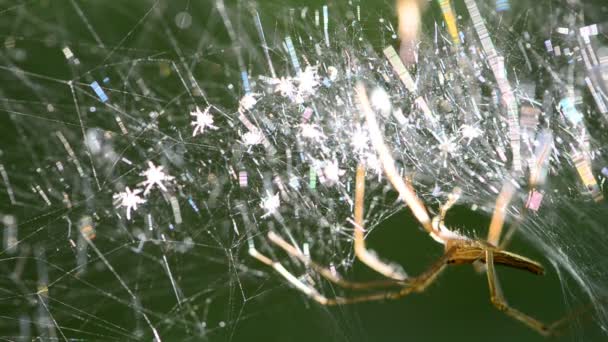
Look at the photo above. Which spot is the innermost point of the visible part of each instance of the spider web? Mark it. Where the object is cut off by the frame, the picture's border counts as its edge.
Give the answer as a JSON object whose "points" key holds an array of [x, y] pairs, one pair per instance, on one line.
{"points": [[94, 92]]}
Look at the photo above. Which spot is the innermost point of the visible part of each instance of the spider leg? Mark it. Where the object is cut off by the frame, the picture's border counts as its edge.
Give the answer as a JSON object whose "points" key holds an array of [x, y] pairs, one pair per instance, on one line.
{"points": [[407, 194], [498, 300], [558, 326], [327, 273], [368, 258], [396, 277], [506, 240], [438, 221], [293, 280], [500, 212], [496, 295], [417, 284], [409, 13], [452, 199]]}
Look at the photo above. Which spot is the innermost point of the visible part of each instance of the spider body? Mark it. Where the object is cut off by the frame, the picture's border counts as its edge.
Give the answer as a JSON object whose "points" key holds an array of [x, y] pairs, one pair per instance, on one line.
{"points": [[458, 249], [470, 251]]}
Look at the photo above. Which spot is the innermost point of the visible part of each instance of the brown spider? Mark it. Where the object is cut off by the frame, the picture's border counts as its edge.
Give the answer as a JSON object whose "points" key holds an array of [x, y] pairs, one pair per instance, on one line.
{"points": [[458, 249]]}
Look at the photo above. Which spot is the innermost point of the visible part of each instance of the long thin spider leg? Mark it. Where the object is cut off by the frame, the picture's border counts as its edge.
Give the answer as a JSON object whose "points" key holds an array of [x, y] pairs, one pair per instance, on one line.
{"points": [[452, 199], [498, 219], [325, 272], [366, 257], [508, 237], [417, 284], [500, 212], [293, 280], [409, 13], [388, 163], [438, 221], [498, 300]]}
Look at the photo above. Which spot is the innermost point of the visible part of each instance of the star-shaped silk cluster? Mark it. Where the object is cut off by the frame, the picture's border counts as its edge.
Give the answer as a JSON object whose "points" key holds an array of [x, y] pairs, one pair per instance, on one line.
{"points": [[131, 199]]}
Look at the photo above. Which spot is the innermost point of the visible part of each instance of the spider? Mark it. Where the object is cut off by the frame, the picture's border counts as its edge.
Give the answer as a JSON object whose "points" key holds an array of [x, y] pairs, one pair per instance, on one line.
{"points": [[458, 249]]}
